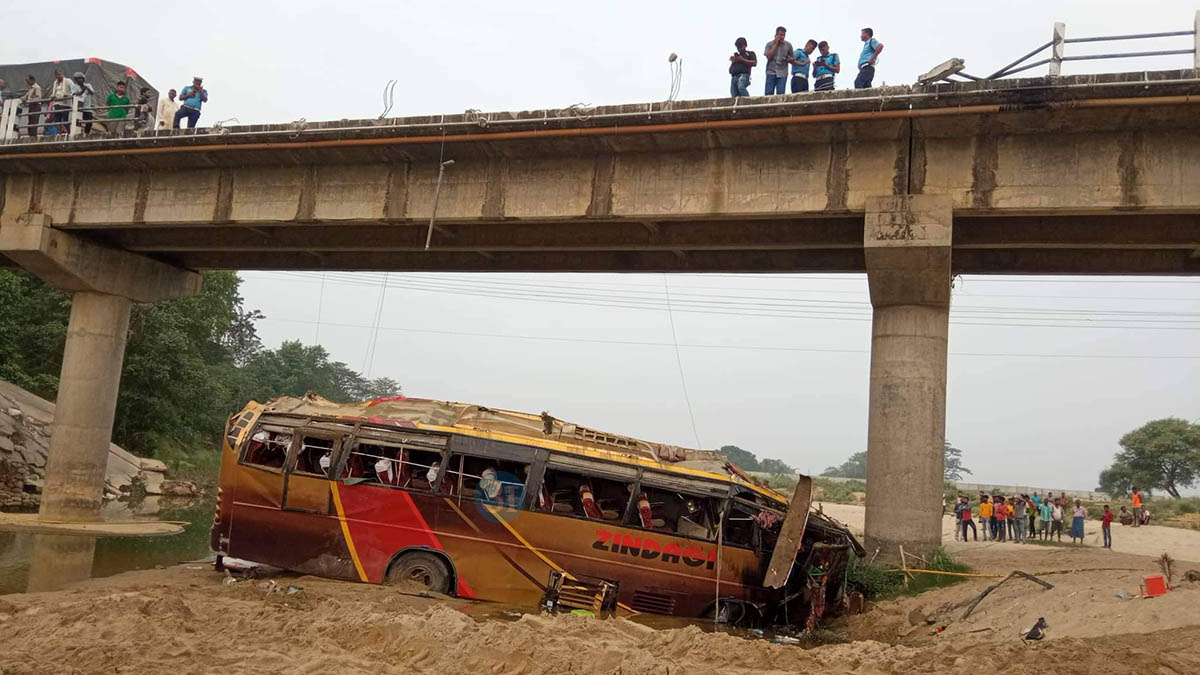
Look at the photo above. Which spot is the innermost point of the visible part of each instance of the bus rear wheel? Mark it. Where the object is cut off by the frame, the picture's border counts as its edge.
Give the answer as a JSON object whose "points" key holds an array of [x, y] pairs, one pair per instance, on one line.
{"points": [[422, 569]]}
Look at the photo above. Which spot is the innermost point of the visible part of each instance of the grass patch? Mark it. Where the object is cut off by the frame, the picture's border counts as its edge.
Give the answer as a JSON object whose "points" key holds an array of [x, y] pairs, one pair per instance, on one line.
{"points": [[877, 581], [199, 465], [837, 492]]}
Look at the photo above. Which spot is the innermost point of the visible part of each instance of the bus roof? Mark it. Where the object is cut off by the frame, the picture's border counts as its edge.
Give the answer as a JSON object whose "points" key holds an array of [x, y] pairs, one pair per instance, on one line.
{"points": [[542, 430]]}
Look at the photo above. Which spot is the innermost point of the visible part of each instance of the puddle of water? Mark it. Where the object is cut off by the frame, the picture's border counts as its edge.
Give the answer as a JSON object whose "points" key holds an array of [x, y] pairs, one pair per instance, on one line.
{"points": [[122, 554]]}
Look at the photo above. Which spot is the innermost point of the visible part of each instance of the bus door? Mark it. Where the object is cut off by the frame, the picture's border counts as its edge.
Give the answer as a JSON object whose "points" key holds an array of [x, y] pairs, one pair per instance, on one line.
{"points": [[306, 478]]}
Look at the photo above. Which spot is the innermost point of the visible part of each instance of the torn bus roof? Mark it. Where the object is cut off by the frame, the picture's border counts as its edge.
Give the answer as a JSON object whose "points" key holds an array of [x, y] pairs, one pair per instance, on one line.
{"points": [[544, 427]]}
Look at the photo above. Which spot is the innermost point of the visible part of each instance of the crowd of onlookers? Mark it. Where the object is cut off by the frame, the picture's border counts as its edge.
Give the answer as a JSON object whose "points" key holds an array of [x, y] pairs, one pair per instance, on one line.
{"points": [[1018, 518], [780, 56], [46, 111]]}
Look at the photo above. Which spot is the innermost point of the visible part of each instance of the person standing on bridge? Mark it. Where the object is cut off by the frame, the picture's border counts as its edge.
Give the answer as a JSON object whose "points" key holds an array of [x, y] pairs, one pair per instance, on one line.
{"points": [[84, 91], [866, 60], [118, 109], [193, 96], [167, 107], [779, 55], [33, 104], [740, 65], [800, 64], [825, 67]]}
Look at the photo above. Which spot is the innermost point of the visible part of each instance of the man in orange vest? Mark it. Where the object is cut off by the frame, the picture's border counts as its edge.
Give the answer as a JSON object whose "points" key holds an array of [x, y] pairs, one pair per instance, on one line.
{"points": [[1137, 508]]}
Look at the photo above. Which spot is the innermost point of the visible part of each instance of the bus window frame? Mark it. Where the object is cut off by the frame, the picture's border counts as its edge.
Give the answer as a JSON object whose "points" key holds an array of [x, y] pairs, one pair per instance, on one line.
{"points": [[335, 451], [486, 448], [269, 426], [358, 439], [724, 502], [630, 504]]}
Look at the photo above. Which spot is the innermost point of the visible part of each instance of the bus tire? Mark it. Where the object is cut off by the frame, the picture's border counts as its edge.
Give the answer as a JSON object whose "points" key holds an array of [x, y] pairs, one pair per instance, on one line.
{"points": [[420, 567]]}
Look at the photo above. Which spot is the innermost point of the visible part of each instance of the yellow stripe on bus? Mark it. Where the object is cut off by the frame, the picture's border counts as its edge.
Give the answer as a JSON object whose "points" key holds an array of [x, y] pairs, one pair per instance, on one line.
{"points": [[532, 549], [341, 514]]}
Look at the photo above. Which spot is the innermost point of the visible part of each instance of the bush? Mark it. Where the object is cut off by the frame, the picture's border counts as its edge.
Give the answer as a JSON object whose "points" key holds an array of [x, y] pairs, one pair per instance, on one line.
{"points": [[838, 492], [881, 582]]}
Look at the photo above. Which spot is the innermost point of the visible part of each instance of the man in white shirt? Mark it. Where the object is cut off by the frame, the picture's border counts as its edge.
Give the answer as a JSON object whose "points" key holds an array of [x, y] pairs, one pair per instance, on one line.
{"points": [[167, 107], [60, 91], [80, 88], [32, 101]]}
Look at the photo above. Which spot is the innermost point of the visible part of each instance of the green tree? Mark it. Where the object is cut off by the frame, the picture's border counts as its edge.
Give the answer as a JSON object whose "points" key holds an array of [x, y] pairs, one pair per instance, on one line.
{"points": [[743, 459], [1162, 453], [775, 467], [954, 468], [296, 369], [854, 467], [189, 363]]}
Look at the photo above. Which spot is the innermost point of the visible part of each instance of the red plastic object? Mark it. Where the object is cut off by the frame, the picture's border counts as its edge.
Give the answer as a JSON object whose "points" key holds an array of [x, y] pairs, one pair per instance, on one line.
{"points": [[1155, 585]]}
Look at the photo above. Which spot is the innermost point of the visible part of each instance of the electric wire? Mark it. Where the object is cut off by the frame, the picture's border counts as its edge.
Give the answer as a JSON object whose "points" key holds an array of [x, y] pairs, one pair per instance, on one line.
{"points": [[741, 347], [971, 316], [679, 361]]}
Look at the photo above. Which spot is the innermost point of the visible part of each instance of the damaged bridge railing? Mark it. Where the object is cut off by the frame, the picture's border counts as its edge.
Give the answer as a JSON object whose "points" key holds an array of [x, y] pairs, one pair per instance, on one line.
{"points": [[1057, 48]]}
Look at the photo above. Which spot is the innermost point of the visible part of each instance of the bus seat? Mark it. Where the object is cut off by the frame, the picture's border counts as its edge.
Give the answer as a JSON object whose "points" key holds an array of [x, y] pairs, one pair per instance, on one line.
{"points": [[590, 508]]}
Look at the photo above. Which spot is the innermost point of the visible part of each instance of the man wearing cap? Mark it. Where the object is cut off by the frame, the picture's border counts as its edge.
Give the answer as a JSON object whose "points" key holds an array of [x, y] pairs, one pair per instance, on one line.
{"points": [[84, 92], [191, 98]]}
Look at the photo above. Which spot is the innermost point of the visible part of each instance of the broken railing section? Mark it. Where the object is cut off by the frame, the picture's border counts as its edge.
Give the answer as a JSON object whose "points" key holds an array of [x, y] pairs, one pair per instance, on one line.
{"points": [[590, 594], [1057, 54]]}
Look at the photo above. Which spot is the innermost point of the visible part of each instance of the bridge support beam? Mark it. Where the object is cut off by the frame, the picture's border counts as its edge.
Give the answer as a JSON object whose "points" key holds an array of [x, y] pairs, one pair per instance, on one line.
{"points": [[907, 249], [104, 284]]}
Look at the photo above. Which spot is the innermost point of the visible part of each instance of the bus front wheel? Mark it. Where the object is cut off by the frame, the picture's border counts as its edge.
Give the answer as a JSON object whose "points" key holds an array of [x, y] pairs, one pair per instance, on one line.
{"points": [[420, 568]]}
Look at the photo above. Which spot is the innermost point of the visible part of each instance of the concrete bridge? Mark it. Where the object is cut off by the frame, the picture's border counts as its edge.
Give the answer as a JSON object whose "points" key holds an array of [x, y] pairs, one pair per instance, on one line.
{"points": [[1073, 175]]}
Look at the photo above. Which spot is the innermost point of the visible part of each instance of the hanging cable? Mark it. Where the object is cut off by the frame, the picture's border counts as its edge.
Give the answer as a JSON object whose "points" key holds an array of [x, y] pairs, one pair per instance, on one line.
{"points": [[679, 362], [675, 62], [373, 338], [320, 306], [388, 90]]}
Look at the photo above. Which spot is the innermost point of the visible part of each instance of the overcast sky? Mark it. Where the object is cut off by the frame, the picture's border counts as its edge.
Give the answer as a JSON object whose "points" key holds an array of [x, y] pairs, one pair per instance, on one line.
{"points": [[1045, 375]]}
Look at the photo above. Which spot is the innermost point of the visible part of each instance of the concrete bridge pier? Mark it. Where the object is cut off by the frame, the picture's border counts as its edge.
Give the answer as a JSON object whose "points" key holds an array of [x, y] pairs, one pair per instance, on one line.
{"points": [[907, 251], [104, 284]]}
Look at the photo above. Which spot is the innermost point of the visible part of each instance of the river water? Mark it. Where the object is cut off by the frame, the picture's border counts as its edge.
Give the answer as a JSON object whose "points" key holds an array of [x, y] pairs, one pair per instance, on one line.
{"points": [[121, 554]]}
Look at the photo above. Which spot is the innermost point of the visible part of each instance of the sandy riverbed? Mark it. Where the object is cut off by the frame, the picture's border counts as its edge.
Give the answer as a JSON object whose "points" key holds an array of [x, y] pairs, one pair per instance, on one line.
{"points": [[185, 619]]}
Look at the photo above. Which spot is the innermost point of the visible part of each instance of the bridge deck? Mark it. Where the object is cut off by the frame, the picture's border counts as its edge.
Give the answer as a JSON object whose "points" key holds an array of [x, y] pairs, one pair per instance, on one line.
{"points": [[1088, 174]]}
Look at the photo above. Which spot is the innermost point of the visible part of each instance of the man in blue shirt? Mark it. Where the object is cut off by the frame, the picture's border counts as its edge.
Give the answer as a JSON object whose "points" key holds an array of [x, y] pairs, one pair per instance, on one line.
{"points": [[866, 61], [825, 67], [191, 98], [800, 64]]}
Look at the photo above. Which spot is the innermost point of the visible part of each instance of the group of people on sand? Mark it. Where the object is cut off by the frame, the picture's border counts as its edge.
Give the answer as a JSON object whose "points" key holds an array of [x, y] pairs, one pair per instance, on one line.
{"points": [[1018, 518]]}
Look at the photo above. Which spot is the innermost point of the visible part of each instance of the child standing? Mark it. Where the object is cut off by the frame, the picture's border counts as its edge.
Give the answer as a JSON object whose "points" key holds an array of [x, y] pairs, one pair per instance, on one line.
{"points": [[1106, 519]]}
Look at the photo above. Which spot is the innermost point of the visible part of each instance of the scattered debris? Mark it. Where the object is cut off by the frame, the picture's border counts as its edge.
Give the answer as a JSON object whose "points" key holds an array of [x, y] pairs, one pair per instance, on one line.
{"points": [[1038, 631], [1192, 575], [1154, 586], [1166, 562], [998, 584]]}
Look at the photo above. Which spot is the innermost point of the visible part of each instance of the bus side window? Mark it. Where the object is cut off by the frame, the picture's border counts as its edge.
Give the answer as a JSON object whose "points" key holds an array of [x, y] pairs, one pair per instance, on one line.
{"points": [[314, 456], [267, 448], [392, 465], [574, 494], [493, 480], [684, 514], [740, 526]]}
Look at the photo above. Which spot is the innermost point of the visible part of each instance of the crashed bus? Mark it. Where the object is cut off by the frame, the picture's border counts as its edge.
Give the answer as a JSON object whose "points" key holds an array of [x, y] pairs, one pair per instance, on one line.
{"points": [[519, 508]]}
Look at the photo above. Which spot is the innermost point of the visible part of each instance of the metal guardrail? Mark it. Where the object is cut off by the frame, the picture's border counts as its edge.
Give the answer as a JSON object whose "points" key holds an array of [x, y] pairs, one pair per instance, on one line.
{"points": [[1057, 46], [17, 116]]}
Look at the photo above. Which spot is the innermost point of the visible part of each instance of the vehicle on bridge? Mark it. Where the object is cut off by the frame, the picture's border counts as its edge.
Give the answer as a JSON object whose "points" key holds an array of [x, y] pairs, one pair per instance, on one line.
{"points": [[517, 508]]}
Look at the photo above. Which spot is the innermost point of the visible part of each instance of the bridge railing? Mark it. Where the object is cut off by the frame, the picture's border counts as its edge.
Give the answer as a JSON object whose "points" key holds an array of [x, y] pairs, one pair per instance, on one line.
{"points": [[61, 117], [1057, 54]]}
